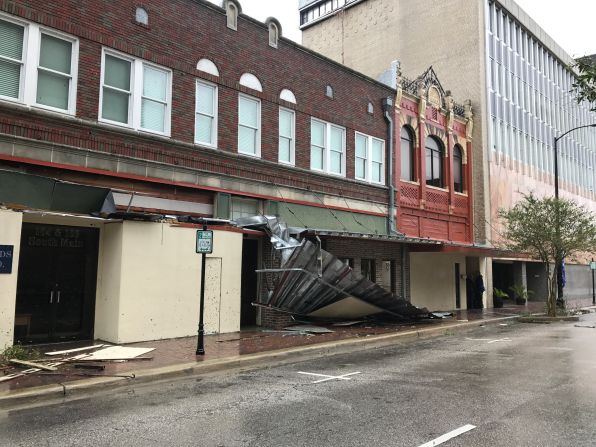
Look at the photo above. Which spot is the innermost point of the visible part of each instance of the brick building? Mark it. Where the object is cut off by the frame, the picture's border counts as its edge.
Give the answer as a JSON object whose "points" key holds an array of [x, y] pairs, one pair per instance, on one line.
{"points": [[519, 82], [116, 118]]}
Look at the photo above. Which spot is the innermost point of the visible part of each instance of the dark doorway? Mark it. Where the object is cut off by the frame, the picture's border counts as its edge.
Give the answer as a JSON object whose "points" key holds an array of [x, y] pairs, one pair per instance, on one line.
{"points": [[503, 277], [56, 283], [249, 287]]}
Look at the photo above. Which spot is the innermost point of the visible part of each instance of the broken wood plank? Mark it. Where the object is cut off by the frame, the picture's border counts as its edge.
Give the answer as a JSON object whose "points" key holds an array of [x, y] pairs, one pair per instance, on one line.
{"points": [[68, 351], [33, 365]]}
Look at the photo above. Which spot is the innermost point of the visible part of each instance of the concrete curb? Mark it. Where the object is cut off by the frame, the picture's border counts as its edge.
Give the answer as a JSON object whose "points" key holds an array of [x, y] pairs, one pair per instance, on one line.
{"points": [[79, 389]]}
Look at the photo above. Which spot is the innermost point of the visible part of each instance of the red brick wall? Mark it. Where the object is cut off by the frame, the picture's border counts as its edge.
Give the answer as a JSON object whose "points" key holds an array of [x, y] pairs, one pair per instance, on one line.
{"points": [[181, 32]]}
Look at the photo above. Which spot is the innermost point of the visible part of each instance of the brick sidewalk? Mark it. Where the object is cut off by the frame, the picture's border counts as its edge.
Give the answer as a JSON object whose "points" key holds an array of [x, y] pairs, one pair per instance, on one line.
{"points": [[172, 352]]}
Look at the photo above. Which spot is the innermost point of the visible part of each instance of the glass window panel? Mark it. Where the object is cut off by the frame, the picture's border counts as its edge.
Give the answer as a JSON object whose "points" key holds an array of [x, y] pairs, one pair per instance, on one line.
{"points": [[377, 172], [55, 54], [155, 83], [377, 151], [285, 152], [248, 112], [247, 140], [360, 168], [316, 157], [335, 162], [317, 133], [204, 129], [205, 99], [153, 115], [10, 78], [117, 73], [429, 166], [52, 90], [115, 106], [285, 123], [437, 170], [361, 141], [337, 139], [11, 40]]}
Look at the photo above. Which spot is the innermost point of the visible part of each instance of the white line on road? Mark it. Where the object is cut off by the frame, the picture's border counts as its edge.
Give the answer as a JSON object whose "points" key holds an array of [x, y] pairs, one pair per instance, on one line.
{"points": [[448, 436], [328, 377]]}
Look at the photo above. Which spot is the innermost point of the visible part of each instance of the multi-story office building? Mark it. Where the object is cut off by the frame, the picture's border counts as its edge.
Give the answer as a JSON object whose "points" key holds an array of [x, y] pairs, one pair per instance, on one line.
{"points": [[518, 79]]}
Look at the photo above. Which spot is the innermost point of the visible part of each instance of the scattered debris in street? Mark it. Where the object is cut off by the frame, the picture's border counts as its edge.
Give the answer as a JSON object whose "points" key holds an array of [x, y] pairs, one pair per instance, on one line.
{"points": [[585, 325], [309, 329]]}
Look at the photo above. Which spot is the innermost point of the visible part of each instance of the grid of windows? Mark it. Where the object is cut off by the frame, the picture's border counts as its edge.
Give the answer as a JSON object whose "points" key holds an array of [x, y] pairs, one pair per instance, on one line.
{"points": [[531, 103], [135, 94], [37, 66], [321, 9], [327, 147], [370, 156]]}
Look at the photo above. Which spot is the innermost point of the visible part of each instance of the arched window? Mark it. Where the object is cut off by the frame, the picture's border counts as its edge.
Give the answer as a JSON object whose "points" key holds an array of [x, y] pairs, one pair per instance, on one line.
{"points": [[208, 67], [273, 34], [288, 96], [370, 108], [329, 91], [232, 14], [434, 163], [251, 81], [141, 16], [458, 169], [407, 155]]}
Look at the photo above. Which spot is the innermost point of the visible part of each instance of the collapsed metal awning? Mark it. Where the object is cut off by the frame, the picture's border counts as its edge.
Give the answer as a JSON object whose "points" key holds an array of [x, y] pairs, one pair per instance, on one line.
{"points": [[312, 282]]}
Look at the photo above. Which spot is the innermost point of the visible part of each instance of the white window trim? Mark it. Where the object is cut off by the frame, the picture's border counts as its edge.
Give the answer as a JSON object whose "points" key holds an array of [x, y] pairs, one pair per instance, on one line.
{"points": [[327, 149], [136, 93], [30, 65], [292, 161], [214, 126], [368, 160], [257, 153]]}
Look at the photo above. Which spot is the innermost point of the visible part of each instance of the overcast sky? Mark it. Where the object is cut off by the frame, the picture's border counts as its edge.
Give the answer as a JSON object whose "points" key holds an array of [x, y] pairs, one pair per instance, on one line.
{"points": [[570, 23]]}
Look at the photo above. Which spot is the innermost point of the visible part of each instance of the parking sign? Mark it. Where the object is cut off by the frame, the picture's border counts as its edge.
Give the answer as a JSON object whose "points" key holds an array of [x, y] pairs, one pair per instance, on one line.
{"points": [[204, 241]]}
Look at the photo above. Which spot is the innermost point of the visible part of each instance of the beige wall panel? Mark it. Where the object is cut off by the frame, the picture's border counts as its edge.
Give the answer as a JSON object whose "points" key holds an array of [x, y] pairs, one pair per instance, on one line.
{"points": [[432, 277], [109, 278], [160, 282], [10, 234]]}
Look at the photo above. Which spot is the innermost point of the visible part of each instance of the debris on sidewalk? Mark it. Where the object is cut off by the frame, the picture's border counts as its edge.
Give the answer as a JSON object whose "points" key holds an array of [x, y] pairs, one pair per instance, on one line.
{"points": [[589, 326], [441, 315], [32, 364], [118, 353], [306, 329], [70, 351]]}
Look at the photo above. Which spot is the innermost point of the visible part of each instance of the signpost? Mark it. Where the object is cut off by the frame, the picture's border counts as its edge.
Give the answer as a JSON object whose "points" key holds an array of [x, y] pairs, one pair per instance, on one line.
{"points": [[593, 268], [204, 246]]}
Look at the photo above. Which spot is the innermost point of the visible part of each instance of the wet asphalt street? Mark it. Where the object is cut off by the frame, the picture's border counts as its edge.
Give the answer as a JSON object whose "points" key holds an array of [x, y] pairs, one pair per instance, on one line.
{"points": [[519, 385]]}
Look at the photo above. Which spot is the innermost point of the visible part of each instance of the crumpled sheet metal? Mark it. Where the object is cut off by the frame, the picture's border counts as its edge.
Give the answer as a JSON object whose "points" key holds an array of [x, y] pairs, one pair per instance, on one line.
{"points": [[310, 278]]}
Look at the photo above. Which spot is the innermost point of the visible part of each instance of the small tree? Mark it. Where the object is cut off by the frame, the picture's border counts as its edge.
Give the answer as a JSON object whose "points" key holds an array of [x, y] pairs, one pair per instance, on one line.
{"points": [[585, 81], [531, 228]]}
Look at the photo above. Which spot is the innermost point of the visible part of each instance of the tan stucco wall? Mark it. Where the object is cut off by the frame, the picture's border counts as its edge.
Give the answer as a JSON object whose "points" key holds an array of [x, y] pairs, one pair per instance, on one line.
{"points": [[10, 234], [432, 280], [150, 283]]}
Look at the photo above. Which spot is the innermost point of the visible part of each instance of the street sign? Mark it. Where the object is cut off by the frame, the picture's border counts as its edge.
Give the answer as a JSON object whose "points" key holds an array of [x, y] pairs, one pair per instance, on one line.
{"points": [[205, 241], [6, 252], [593, 265]]}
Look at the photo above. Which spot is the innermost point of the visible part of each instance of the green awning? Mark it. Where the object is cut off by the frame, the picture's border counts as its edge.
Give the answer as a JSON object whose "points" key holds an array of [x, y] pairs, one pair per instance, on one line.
{"points": [[327, 219], [44, 193]]}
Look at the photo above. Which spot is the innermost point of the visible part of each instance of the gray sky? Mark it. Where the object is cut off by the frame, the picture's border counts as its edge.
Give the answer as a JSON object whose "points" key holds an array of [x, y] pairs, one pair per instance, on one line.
{"points": [[570, 23]]}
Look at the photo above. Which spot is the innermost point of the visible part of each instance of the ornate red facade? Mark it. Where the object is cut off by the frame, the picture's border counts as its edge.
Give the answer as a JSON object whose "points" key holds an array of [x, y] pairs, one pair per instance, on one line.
{"points": [[423, 209]]}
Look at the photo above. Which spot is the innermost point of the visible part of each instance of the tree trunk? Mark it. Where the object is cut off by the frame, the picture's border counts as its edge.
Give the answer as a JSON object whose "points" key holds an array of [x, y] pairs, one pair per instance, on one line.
{"points": [[551, 302]]}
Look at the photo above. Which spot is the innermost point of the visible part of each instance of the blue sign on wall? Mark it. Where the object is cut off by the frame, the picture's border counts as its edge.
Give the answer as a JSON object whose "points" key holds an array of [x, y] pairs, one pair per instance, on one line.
{"points": [[6, 258]]}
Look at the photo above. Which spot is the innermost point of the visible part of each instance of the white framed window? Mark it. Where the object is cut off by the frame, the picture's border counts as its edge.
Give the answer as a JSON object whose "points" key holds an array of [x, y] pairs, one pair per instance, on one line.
{"points": [[135, 93], [38, 66], [206, 114], [287, 136], [327, 147], [249, 126], [370, 158]]}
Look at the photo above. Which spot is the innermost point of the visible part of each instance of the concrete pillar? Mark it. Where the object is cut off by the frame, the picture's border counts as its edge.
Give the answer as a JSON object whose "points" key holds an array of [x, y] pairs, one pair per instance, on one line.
{"points": [[10, 234]]}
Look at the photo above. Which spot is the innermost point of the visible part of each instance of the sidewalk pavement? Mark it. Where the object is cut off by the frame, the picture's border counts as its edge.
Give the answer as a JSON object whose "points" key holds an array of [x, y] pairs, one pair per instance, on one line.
{"points": [[174, 358]]}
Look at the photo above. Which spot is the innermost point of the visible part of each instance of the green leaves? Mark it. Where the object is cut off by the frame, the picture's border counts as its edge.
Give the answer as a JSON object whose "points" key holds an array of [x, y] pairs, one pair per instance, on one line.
{"points": [[549, 229], [585, 82]]}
